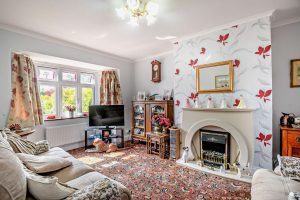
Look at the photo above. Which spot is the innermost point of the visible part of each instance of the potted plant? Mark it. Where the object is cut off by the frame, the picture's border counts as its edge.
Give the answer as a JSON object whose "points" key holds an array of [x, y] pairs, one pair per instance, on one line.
{"points": [[71, 109], [161, 122]]}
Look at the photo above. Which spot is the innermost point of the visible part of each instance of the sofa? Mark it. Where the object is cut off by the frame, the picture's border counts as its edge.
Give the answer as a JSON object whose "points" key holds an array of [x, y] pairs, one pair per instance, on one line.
{"points": [[78, 175], [268, 185]]}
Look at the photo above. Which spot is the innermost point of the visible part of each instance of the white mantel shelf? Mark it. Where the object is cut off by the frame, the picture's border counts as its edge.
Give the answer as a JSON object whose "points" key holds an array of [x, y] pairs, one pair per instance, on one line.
{"points": [[221, 109]]}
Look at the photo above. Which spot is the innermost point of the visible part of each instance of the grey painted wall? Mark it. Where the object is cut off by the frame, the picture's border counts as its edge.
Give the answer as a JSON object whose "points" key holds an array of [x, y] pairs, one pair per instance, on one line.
{"points": [[286, 46], [143, 75], [19, 42]]}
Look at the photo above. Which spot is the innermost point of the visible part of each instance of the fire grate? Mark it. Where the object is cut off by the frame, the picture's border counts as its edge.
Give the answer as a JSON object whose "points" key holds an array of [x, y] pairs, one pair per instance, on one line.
{"points": [[215, 148]]}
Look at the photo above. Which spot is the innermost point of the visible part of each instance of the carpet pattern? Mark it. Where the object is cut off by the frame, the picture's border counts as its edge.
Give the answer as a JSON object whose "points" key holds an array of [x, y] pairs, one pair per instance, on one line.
{"points": [[150, 177]]}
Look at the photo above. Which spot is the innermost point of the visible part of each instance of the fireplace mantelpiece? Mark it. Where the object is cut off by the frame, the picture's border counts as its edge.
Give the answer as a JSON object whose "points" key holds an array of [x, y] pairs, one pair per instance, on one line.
{"points": [[238, 122]]}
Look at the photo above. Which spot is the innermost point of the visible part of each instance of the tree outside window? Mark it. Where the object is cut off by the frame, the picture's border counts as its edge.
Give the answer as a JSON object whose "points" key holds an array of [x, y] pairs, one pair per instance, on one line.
{"points": [[48, 99], [87, 99]]}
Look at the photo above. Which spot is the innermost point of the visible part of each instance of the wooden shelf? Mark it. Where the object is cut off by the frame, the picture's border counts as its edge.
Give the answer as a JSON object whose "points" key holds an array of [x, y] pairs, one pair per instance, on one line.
{"points": [[159, 113], [139, 127]]}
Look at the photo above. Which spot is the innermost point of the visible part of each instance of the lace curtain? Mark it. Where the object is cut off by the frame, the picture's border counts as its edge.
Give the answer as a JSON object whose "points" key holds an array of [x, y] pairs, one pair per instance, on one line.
{"points": [[110, 89], [25, 106]]}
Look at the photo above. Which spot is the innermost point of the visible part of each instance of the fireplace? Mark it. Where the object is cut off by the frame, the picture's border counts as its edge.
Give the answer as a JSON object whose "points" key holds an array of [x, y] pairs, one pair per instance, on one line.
{"points": [[215, 148]]}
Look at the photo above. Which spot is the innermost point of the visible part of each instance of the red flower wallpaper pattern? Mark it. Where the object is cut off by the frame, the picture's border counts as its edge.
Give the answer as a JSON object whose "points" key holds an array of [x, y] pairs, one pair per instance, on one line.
{"points": [[248, 45], [262, 51], [223, 39], [264, 95]]}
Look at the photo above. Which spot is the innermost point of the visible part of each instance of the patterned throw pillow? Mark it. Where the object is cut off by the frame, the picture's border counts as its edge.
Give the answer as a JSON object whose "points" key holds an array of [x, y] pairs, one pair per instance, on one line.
{"points": [[42, 147], [289, 166], [294, 196], [101, 190]]}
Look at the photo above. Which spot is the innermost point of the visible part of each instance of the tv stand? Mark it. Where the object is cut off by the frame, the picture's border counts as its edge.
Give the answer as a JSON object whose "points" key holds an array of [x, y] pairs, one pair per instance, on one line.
{"points": [[106, 134]]}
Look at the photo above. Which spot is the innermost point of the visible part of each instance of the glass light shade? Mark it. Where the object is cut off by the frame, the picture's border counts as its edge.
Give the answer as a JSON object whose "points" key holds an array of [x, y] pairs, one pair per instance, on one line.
{"points": [[133, 4], [150, 19], [133, 21], [121, 12], [152, 8]]}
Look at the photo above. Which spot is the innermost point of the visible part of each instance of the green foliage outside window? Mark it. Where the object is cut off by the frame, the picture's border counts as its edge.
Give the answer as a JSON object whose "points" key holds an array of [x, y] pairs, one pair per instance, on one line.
{"points": [[87, 98], [68, 96], [47, 95]]}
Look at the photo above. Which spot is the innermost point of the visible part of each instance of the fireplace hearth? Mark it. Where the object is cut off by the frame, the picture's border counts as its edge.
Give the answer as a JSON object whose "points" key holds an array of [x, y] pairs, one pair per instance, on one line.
{"points": [[215, 148]]}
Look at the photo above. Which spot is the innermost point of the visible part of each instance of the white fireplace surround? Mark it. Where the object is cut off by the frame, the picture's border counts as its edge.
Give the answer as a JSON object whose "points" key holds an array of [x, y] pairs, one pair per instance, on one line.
{"points": [[238, 122]]}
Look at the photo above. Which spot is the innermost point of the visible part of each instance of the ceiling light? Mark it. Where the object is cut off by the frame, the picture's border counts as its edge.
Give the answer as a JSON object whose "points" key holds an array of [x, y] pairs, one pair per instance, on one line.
{"points": [[169, 37], [135, 9]]}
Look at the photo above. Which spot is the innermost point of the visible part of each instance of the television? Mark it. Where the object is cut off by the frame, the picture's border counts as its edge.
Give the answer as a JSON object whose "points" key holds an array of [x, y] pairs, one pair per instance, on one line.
{"points": [[106, 115]]}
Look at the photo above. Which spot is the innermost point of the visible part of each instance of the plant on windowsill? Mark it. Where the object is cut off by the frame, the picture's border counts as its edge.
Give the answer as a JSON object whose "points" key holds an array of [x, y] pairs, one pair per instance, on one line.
{"points": [[71, 109], [161, 123]]}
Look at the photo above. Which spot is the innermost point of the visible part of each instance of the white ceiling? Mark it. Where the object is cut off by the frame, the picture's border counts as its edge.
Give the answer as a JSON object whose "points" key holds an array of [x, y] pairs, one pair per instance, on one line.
{"points": [[94, 23]]}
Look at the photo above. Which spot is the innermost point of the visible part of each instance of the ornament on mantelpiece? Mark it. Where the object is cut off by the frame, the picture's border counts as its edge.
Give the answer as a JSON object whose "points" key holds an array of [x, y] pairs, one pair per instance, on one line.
{"points": [[242, 103], [210, 103], [223, 104], [196, 104], [187, 104]]}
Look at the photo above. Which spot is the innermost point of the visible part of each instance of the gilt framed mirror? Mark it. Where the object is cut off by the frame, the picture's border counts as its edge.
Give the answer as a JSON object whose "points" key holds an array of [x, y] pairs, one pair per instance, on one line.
{"points": [[215, 77]]}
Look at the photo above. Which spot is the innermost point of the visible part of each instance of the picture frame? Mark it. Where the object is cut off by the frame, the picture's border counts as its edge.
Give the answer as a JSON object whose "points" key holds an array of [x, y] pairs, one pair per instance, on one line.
{"points": [[295, 73], [141, 96], [222, 81], [206, 77]]}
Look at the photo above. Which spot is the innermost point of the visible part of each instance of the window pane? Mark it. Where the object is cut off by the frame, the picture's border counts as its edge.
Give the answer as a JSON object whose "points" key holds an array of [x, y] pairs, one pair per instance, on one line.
{"points": [[68, 97], [87, 99], [48, 99], [87, 78], [69, 76], [47, 74]]}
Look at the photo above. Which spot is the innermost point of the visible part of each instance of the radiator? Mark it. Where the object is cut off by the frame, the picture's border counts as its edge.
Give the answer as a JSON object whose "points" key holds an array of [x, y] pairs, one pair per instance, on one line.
{"points": [[66, 134]]}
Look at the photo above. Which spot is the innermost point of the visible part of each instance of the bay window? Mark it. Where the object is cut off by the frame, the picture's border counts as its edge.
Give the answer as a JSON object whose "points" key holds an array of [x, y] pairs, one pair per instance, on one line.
{"points": [[61, 86]]}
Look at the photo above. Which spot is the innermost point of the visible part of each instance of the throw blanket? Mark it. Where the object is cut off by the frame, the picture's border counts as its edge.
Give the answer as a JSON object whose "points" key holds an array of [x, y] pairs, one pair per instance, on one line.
{"points": [[20, 145], [101, 190]]}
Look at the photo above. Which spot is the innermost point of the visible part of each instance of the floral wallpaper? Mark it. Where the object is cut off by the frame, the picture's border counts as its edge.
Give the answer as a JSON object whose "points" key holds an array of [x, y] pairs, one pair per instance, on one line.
{"points": [[249, 46]]}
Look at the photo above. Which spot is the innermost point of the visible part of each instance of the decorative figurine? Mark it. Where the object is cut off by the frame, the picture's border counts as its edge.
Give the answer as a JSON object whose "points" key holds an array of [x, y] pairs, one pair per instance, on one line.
{"points": [[209, 103], [242, 103], [187, 104], [223, 104], [185, 154]]}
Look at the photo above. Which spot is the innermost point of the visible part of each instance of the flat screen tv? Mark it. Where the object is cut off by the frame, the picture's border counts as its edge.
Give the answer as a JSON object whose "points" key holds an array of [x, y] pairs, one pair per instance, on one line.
{"points": [[106, 115]]}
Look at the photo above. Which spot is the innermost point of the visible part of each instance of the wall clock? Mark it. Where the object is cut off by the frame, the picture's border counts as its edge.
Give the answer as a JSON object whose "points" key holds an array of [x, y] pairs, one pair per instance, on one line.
{"points": [[156, 71]]}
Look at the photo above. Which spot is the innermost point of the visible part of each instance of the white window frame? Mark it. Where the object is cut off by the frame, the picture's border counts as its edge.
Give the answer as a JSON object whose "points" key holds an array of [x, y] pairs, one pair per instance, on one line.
{"points": [[59, 84]]}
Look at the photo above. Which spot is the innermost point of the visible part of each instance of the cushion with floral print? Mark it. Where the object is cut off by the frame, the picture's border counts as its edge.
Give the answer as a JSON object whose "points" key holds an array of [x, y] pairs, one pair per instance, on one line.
{"points": [[294, 196], [289, 166]]}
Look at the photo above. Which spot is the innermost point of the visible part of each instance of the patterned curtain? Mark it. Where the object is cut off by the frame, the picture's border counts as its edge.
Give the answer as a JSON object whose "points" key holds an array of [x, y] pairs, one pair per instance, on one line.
{"points": [[25, 107], [110, 89]]}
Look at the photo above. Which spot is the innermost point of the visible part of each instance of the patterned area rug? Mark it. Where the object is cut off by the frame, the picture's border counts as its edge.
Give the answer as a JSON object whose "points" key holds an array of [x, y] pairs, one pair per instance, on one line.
{"points": [[149, 177]]}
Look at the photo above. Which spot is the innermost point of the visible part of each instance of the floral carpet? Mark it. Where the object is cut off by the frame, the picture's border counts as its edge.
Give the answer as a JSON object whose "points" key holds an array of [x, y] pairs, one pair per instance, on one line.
{"points": [[149, 177]]}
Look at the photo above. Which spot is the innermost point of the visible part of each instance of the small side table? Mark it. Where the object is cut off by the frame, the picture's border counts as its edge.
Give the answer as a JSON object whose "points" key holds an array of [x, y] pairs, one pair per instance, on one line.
{"points": [[160, 144], [25, 133]]}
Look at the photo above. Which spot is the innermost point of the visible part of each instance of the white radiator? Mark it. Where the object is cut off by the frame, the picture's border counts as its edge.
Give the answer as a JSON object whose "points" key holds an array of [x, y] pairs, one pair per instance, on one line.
{"points": [[65, 134]]}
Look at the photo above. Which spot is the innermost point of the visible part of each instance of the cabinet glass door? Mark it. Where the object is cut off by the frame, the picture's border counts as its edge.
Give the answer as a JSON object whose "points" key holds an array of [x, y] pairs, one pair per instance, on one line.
{"points": [[139, 120], [156, 112]]}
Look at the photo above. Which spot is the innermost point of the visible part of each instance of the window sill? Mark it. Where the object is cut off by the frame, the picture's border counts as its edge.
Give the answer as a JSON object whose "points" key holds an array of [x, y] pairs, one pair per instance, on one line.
{"points": [[65, 118]]}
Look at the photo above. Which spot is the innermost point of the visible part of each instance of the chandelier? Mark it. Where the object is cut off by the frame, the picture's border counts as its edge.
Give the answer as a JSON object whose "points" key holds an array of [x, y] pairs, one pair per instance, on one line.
{"points": [[135, 9]]}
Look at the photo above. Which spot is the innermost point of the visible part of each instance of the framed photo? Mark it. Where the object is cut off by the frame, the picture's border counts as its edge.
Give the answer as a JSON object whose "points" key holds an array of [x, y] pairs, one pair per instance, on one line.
{"points": [[295, 73], [141, 96], [222, 81]]}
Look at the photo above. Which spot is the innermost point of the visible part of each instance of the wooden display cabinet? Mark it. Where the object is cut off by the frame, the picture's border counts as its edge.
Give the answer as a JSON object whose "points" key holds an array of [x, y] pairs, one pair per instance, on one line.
{"points": [[142, 113]]}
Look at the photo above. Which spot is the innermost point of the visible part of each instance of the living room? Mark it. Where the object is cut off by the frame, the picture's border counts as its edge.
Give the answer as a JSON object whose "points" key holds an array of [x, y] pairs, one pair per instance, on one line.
{"points": [[171, 132]]}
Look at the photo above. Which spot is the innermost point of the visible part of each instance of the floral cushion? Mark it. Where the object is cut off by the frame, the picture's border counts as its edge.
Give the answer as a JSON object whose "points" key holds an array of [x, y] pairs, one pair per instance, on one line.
{"points": [[289, 166], [101, 190], [294, 196]]}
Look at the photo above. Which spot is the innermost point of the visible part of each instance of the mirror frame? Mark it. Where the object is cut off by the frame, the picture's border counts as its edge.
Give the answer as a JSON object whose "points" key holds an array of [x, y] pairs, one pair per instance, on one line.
{"points": [[231, 77]]}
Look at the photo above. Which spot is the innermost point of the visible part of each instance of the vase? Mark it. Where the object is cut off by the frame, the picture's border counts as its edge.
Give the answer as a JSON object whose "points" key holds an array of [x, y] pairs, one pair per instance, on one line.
{"points": [[71, 114]]}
